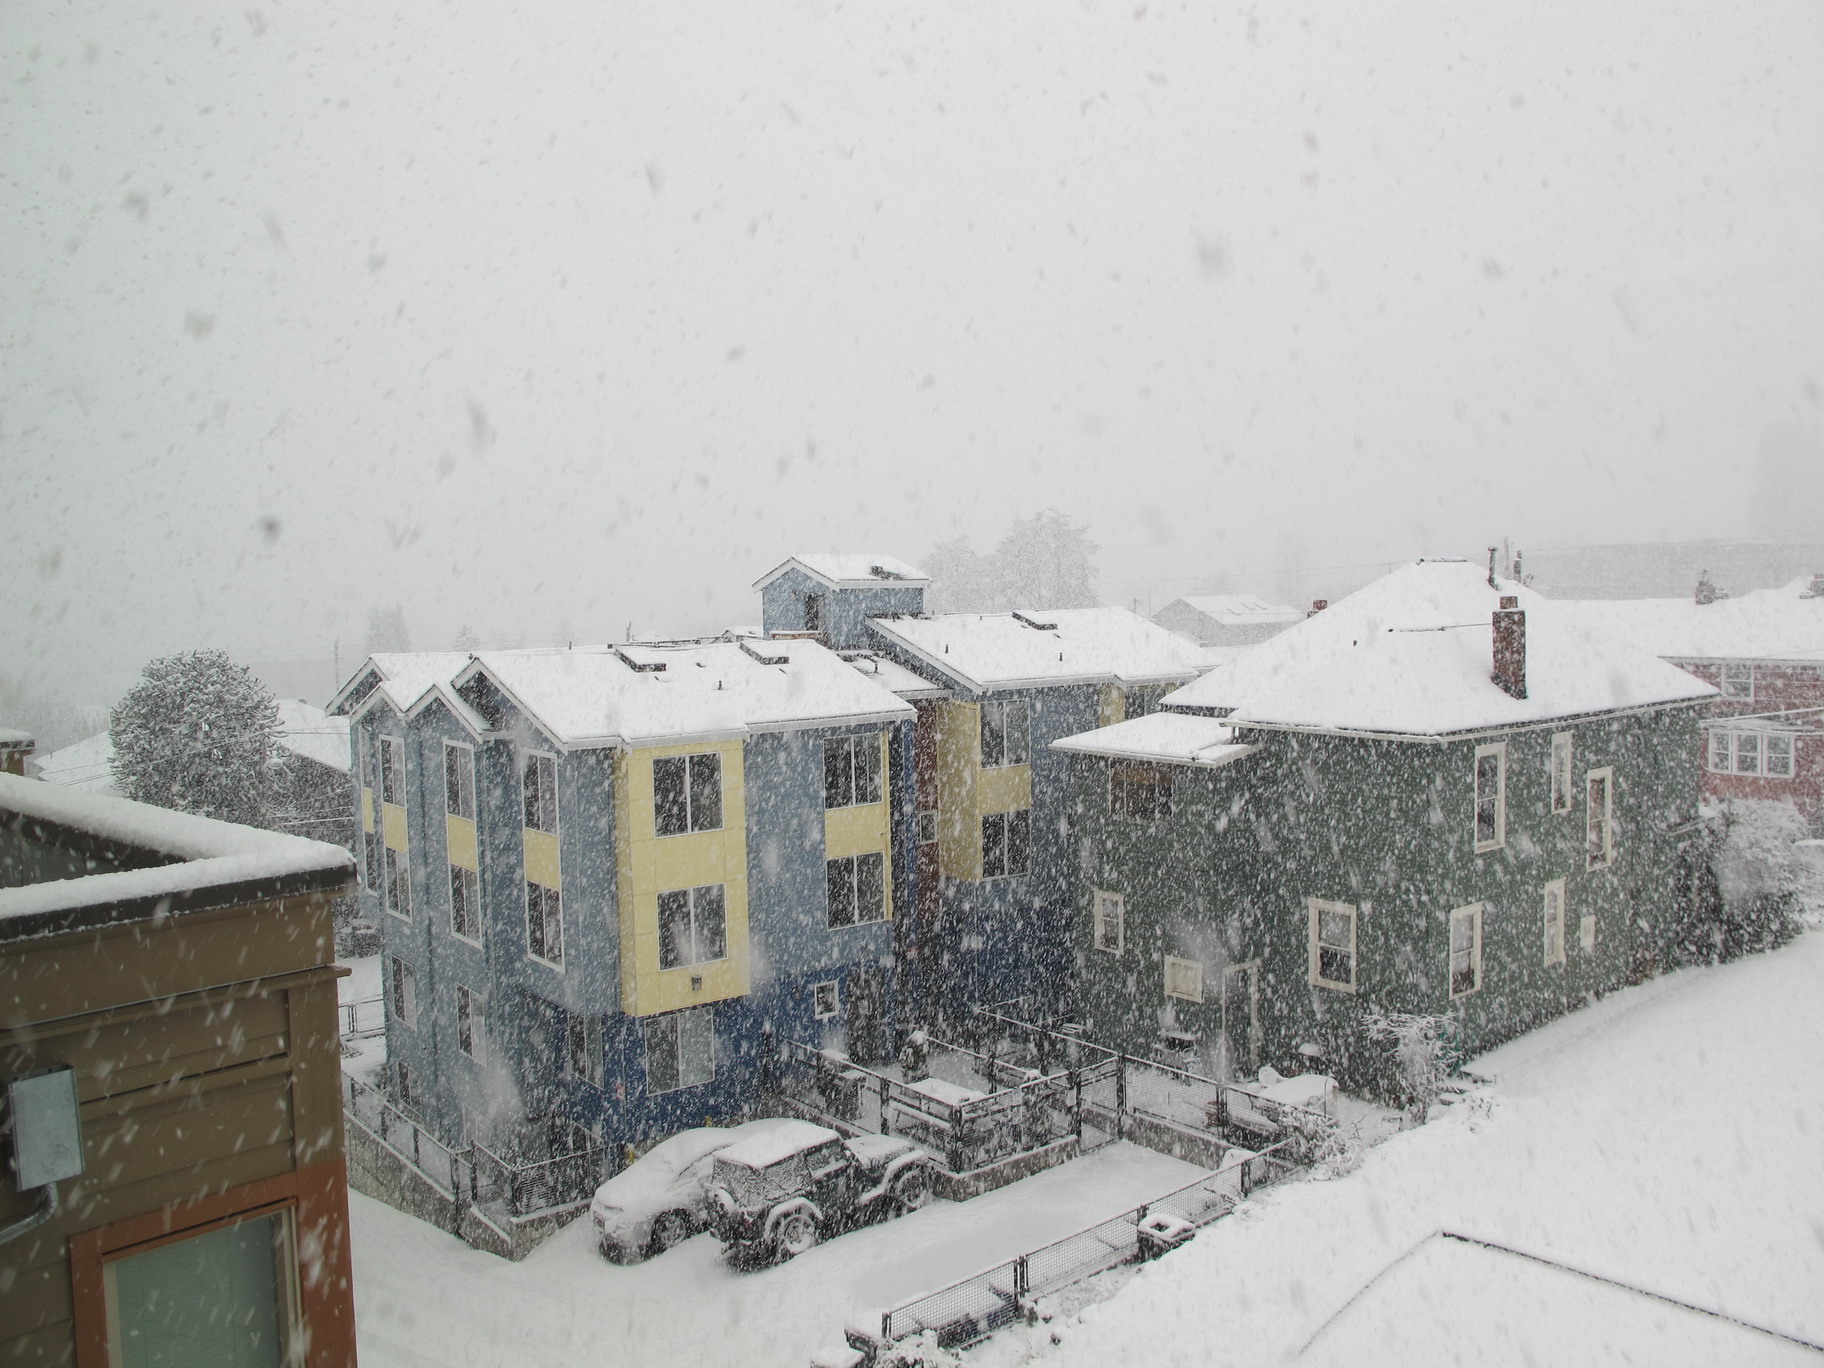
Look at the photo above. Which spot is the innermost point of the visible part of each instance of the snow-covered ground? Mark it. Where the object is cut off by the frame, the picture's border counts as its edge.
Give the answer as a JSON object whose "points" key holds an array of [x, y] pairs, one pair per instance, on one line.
{"points": [[363, 1056], [1670, 1137], [423, 1297]]}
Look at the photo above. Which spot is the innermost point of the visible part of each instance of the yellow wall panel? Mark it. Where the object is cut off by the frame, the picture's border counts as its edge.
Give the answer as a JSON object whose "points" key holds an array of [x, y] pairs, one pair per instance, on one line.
{"points": [[392, 824], [542, 866], [1003, 790], [854, 830], [1111, 705], [367, 809], [464, 849], [959, 762]]}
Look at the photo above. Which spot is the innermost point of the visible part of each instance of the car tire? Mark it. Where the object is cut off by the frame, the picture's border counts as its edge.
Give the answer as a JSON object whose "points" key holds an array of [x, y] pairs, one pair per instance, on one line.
{"points": [[668, 1231], [912, 1189], [795, 1233]]}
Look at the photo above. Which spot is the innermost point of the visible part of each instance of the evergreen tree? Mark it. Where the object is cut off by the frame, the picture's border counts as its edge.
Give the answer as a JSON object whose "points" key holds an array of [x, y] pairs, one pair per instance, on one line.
{"points": [[198, 733], [466, 639], [1045, 561]]}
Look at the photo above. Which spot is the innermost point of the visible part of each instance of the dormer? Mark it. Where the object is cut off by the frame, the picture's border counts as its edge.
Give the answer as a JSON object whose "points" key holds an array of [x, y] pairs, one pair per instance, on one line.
{"points": [[831, 594]]}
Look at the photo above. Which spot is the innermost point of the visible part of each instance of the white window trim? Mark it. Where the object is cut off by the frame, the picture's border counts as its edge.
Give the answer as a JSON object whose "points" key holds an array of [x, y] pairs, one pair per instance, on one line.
{"points": [[469, 998], [1554, 889], [1313, 907], [402, 991], [1563, 762], [1181, 967], [1744, 673], [1473, 913], [982, 730], [690, 816], [835, 988], [474, 911], [1607, 775], [387, 740], [1498, 749], [1006, 819], [678, 1018], [690, 902], [1120, 909], [870, 742], [1730, 749], [389, 857], [474, 779], [557, 814], [562, 936]]}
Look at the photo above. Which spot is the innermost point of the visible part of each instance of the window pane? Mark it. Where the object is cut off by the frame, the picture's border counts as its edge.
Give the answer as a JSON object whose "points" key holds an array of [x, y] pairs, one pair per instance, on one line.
{"points": [[1747, 753], [1019, 739], [452, 782], [1779, 755], [838, 781], [705, 792], [994, 740], [697, 1046], [994, 846], [870, 888], [671, 806], [867, 769], [1720, 750], [839, 878], [1019, 841], [1333, 928], [1462, 935], [554, 926], [547, 793], [213, 1299], [459, 901], [711, 909], [674, 929], [662, 1054], [1335, 966]]}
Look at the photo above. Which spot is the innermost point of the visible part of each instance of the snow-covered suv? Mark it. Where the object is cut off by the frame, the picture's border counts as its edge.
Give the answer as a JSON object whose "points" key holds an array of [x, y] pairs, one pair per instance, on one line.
{"points": [[779, 1193]]}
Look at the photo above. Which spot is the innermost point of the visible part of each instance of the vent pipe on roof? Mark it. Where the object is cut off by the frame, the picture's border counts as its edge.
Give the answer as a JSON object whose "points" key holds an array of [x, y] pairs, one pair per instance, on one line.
{"points": [[1510, 647]]}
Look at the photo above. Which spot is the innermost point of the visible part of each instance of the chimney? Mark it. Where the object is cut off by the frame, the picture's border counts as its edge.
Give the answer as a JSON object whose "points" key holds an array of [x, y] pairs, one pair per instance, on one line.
{"points": [[1510, 647], [1706, 591], [1318, 606]]}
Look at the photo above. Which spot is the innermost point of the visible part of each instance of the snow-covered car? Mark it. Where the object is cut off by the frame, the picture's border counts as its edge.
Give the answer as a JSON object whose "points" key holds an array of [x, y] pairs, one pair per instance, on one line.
{"points": [[776, 1195], [662, 1198]]}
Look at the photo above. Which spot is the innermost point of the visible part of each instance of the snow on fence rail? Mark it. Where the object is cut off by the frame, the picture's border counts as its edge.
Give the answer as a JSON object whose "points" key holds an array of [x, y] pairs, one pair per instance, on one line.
{"points": [[363, 1017], [974, 1307], [367, 1106]]}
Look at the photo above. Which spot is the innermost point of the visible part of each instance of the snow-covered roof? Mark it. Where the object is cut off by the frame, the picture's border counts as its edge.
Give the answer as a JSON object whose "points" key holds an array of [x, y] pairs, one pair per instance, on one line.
{"points": [[1412, 654], [850, 570], [207, 863], [1170, 738], [986, 651], [892, 676], [1769, 624], [654, 694], [408, 673], [781, 1142], [85, 764], [1241, 610], [309, 731]]}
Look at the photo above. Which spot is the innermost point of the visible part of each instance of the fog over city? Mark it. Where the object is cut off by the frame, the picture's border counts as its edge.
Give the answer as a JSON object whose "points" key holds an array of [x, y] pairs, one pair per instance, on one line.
{"points": [[564, 321]]}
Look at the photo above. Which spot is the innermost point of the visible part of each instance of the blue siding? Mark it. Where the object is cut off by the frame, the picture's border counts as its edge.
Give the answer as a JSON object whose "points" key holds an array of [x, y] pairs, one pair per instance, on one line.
{"points": [[845, 611]]}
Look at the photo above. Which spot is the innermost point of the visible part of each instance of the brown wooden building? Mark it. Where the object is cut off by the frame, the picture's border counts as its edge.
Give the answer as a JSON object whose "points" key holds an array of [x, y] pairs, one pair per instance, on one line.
{"points": [[182, 971]]}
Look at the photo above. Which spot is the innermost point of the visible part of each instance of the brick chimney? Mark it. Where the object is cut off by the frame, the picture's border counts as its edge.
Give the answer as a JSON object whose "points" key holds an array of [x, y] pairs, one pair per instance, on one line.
{"points": [[1510, 647], [1317, 606]]}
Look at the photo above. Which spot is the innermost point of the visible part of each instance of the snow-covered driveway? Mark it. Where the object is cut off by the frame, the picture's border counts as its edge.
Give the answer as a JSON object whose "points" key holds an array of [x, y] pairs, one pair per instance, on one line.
{"points": [[423, 1297], [1670, 1137]]}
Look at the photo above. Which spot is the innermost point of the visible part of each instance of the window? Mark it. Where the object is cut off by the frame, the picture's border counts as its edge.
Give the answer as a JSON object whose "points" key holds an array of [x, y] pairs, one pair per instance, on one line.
{"points": [[1111, 922], [851, 771], [1139, 790], [813, 612], [826, 1000], [927, 827], [856, 889], [1561, 772], [226, 1296], [680, 1050], [468, 1021], [372, 865], [1332, 944], [1600, 843], [398, 883], [1184, 979], [687, 793], [392, 770], [408, 1092], [1554, 922], [465, 903], [1465, 950], [1006, 843], [583, 1048], [693, 926], [402, 991], [1491, 796], [1006, 733], [545, 923], [1586, 932], [458, 780], [1763, 753], [541, 793], [1738, 681]]}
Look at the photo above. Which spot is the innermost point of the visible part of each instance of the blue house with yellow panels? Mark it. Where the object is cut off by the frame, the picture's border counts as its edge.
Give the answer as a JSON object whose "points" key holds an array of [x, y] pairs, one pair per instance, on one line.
{"points": [[611, 879]]}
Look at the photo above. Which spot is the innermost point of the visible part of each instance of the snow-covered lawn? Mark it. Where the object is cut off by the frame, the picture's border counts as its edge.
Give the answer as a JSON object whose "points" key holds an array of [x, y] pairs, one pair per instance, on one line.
{"points": [[423, 1297], [1670, 1137]]}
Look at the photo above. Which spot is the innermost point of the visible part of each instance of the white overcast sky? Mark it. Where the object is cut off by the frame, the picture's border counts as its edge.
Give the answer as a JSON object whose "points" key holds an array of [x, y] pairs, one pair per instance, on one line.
{"points": [[553, 317]]}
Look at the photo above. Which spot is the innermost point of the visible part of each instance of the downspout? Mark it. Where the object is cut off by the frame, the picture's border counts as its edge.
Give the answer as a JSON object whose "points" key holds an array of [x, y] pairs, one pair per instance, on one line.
{"points": [[26, 1224]]}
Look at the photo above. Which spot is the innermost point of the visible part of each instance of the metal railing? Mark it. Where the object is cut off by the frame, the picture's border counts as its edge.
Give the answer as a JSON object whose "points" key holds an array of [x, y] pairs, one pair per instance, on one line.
{"points": [[974, 1307], [443, 1166], [363, 1017]]}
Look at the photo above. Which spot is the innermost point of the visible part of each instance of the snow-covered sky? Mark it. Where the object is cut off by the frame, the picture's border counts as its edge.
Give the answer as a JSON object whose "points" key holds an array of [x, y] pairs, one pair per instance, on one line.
{"points": [[555, 316]]}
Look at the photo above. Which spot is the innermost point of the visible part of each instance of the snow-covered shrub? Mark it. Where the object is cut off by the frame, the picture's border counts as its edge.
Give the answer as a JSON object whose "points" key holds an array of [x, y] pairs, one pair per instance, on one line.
{"points": [[1750, 882], [1423, 1055], [918, 1351], [198, 733]]}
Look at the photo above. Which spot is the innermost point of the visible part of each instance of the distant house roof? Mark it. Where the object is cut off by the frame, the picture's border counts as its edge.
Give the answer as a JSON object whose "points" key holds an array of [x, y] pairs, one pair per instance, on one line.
{"points": [[986, 651], [1240, 610], [408, 673], [85, 764], [892, 676], [1769, 624], [850, 570], [1171, 738], [653, 694], [1412, 654], [309, 731], [157, 862], [15, 740]]}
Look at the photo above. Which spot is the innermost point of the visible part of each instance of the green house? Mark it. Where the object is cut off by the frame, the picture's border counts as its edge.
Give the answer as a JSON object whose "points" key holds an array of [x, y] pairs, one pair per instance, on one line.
{"points": [[1436, 796]]}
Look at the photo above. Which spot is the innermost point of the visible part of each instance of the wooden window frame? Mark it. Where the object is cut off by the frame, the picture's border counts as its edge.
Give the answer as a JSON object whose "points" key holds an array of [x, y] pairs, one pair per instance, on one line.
{"points": [[1174, 962], [1562, 771], [1555, 927], [1737, 679], [1606, 778], [1472, 913], [1497, 749], [1314, 910]]}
